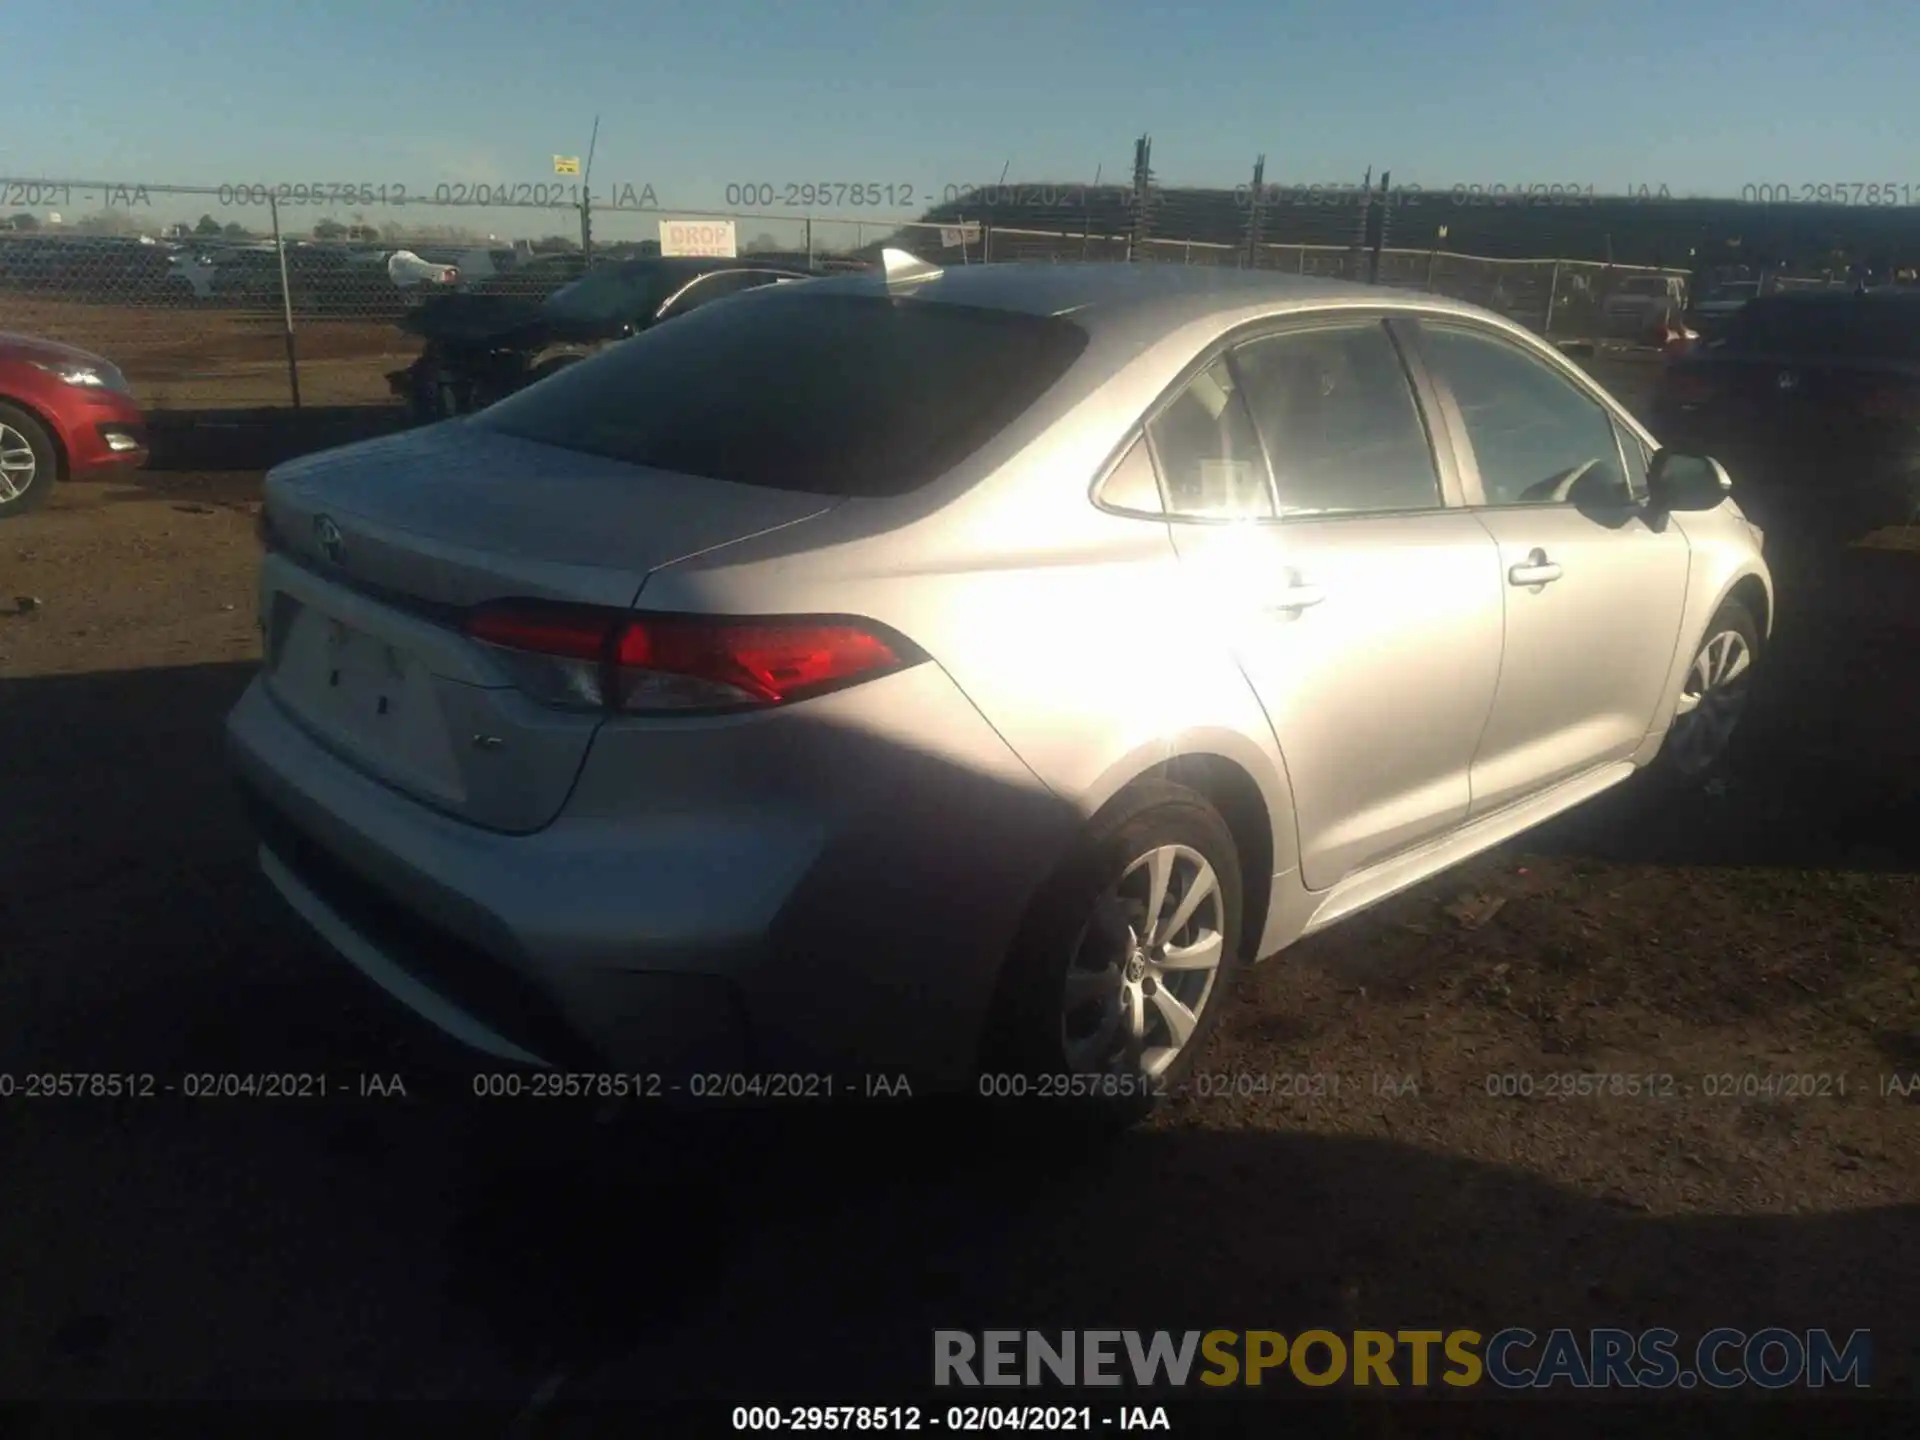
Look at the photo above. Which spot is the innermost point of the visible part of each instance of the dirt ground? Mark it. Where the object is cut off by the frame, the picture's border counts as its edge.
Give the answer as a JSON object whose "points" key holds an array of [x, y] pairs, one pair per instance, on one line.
{"points": [[201, 356], [1731, 950]]}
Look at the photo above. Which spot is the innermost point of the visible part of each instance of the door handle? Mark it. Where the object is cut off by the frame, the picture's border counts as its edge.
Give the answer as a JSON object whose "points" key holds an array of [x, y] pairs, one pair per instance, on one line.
{"points": [[1298, 597], [1538, 570]]}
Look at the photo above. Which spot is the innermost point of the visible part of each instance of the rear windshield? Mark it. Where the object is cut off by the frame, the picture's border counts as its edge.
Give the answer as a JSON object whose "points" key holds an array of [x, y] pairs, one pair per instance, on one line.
{"points": [[615, 293], [1641, 285], [858, 395], [1840, 325]]}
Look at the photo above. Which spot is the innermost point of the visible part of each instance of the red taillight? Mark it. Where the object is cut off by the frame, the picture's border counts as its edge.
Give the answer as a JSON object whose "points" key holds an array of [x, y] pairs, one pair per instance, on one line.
{"points": [[572, 656], [768, 662], [1891, 402], [540, 630]]}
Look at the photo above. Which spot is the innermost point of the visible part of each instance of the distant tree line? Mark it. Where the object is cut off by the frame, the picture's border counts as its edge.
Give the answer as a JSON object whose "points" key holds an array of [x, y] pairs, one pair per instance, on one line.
{"points": [[1682, 233]]}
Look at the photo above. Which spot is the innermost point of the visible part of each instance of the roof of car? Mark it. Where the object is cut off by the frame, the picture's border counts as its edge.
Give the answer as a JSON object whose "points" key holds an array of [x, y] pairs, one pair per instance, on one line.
{"points": [[1103, 293]]}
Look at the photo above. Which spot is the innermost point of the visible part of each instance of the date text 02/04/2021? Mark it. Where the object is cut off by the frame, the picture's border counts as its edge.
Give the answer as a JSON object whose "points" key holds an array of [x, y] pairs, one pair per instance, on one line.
{"points": [[535, 195], [55, 1085], [954, 1419]]}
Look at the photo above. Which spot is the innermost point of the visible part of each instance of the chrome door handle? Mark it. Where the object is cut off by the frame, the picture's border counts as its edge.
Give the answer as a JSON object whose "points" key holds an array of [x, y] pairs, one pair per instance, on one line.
{"points": [[1298, 597], [1537, 571]]}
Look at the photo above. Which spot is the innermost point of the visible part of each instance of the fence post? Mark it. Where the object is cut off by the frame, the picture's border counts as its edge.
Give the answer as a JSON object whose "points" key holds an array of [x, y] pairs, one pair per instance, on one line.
{"points": [[1599, 326], [986, 241], [1432, 256], [1254, 215], [1300, 260], [1378, 219], [286, 300], [1553, 292], [809, 242]]}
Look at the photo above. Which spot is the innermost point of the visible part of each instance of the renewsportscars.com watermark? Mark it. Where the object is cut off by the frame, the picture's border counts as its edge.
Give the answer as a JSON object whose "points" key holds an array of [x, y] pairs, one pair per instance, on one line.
{"points": [[1511, 1359]]}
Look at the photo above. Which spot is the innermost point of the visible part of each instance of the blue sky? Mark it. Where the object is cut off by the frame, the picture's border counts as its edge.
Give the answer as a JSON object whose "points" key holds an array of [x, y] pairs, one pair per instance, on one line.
{"points": [[696, 95]]}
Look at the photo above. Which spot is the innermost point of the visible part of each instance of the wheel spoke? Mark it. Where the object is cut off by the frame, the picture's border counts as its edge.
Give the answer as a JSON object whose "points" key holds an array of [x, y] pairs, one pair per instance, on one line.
{"points": [[1134, 1003], [1203, 954], [1203, 885], [1159, 873], [1180, 1020], [1739, 658]]}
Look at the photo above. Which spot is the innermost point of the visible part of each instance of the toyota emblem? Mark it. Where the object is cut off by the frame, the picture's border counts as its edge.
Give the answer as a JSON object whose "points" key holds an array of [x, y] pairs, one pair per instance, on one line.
{"points": [[1788, 380], [327, 536]]}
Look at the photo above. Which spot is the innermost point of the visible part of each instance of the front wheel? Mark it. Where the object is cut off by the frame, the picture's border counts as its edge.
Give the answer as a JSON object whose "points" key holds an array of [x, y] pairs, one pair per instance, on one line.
{"points": [[27, 462], [1124, 963], [1713, 698]]}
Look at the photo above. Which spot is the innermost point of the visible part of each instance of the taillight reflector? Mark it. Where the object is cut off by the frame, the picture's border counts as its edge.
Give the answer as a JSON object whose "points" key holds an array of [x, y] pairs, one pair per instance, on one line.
{"points": [[671, 663]]}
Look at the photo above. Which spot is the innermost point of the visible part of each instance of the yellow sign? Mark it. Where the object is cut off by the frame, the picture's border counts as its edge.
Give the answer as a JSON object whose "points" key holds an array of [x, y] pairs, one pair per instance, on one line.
{"points": [[566, 164]]}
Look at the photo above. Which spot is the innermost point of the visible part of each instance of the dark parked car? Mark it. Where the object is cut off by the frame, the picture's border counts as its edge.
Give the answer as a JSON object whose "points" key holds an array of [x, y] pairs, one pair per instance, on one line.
{"points": [[484, 345], [1813, 401]]}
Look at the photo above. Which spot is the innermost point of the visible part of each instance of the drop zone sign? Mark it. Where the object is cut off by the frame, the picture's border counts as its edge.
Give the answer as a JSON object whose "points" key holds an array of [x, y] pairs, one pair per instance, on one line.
{"points": [[698, 237]]}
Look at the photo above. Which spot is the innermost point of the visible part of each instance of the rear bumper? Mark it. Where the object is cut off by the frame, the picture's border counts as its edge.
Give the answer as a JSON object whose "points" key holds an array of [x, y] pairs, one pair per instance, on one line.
{"points": [[846, 940]]}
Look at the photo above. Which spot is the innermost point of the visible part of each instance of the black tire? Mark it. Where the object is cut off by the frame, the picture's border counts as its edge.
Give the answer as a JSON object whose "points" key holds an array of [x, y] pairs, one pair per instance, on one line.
{"points": [[1677, 767], [46, 461], [1024, 1061]]}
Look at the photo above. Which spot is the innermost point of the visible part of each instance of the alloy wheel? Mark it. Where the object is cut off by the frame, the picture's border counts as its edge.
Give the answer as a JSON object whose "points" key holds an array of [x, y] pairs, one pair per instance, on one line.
{"points": [[1712, 701], [1144, 965], [18, 464]]}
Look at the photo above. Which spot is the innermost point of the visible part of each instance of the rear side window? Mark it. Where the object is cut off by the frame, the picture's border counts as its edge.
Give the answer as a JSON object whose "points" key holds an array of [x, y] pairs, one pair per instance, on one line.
{"points": [[1209, 453], [1337, 412], [1839, 325], [855, 395]]}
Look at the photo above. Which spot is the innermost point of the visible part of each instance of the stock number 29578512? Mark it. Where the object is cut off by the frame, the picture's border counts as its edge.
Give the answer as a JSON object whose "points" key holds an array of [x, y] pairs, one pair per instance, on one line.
{"points": [[319, 192], [807, 194]]}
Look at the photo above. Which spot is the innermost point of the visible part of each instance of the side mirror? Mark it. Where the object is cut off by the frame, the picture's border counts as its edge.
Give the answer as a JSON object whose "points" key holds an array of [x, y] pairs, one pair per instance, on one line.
{"points": [[1678, 481]]}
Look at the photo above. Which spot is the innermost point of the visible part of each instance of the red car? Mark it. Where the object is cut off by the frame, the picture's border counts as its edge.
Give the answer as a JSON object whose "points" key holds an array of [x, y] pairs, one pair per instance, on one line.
{"points": [[64, 414]]}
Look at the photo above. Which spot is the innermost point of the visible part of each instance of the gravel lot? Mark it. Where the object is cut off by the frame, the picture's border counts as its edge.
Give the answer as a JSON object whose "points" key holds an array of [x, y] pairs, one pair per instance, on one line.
{"points": [[433, 1246]]}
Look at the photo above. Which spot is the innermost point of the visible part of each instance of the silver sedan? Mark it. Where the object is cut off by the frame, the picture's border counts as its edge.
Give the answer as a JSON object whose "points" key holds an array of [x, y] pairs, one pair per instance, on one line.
{"points": [[961, 674]]}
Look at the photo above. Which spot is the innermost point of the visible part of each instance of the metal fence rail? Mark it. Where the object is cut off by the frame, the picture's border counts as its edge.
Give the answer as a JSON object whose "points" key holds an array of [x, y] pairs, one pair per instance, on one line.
{"points": [[272, 298]]}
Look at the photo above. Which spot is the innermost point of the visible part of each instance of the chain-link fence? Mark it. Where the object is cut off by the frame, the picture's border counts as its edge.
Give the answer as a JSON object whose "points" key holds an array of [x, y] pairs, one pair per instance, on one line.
{"points": [[261, 295]]}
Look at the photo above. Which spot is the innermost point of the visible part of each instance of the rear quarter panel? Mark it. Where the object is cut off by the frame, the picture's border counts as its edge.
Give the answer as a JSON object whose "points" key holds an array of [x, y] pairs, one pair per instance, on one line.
{"points": [[1075, 632]]}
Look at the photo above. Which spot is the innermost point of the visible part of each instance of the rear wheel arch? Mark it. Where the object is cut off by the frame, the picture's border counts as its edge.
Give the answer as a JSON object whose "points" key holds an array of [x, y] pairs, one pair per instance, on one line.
{"points": [[1234, 793], [1751, 593]]}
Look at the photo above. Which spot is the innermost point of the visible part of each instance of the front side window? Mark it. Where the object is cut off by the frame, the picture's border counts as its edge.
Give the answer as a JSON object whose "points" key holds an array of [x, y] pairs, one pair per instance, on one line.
{"points": [[1208, 452], [1537, 438], [1338, 415]]}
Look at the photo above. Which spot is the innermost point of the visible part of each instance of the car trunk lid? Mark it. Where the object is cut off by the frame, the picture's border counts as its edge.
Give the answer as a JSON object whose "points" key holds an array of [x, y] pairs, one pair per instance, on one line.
{"points": [[378, 552]]}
